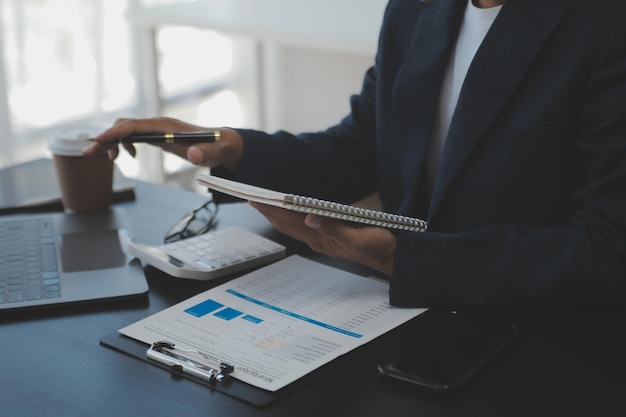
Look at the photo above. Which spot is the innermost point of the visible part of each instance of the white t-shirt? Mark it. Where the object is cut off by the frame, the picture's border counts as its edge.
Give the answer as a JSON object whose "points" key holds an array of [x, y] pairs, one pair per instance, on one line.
{"points": [[474, 27]]}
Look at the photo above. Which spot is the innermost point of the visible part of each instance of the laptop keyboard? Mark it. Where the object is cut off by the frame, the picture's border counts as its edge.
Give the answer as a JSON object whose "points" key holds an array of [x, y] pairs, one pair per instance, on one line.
{"points": [[28, 265]]}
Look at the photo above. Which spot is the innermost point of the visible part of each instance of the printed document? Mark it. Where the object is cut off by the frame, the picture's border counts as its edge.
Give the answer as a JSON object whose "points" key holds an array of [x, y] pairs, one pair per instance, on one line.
{"points": [[278, 323]]}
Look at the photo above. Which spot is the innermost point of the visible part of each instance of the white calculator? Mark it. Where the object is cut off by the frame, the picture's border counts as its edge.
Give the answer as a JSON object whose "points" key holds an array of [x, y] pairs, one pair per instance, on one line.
{"points": [[210, 255]]}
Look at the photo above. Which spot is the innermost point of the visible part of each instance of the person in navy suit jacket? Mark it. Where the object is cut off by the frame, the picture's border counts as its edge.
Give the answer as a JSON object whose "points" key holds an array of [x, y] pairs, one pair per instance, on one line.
{"points": [[503, 125]]}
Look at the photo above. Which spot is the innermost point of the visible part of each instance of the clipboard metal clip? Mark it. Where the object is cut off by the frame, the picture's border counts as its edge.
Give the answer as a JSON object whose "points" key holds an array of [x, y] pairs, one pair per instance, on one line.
{"points": [[178, 361]]}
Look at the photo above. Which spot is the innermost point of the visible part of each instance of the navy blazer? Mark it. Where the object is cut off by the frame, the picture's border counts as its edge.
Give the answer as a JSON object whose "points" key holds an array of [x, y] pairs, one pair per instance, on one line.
{"points": [[530, 203]]}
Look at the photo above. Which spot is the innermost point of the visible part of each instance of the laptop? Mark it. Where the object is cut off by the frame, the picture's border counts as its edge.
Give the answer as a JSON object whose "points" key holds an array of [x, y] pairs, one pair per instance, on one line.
{"points": [[55, 258]]}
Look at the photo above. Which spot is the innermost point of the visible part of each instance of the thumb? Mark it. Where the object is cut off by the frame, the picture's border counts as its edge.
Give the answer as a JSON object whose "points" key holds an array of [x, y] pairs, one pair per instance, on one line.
{"points": [[323, 225], [197, 156]]}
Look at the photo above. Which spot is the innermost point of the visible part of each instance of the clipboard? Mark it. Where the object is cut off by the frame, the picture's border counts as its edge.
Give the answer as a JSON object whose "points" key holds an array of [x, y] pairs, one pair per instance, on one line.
{"points": [[355, 311], [228, 385]]}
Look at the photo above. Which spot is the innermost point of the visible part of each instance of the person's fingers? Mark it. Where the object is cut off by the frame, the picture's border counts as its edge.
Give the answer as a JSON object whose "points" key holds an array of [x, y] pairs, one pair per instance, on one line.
{"points": [[130, 148], [197, 156], [226, 152]]}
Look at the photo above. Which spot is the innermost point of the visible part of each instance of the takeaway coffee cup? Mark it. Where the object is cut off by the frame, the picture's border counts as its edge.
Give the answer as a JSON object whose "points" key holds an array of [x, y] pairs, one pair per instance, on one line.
{"points": [[86, 183]]}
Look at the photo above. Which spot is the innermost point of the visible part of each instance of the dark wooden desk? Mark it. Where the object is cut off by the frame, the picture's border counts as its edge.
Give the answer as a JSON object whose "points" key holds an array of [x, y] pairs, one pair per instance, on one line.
{"points": [[564, 362]]}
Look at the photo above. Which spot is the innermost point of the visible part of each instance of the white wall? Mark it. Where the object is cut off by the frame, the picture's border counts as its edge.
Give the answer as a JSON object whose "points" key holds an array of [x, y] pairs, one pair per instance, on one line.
{"points": [[309, 89]]}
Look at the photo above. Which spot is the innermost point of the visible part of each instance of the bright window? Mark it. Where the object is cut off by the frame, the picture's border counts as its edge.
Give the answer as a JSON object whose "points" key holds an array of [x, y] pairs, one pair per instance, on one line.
{"points": [[68, 63], [65, 60]]}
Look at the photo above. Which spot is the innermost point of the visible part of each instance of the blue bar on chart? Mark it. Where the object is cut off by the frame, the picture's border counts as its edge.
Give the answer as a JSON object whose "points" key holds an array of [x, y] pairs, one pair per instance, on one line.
{"points": [[204, 308], [228, 313], [252, 319]]}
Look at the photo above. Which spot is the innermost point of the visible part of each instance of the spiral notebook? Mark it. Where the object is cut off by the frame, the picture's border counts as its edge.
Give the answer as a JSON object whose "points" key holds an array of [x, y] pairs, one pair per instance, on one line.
{"points": [[312, 205]]}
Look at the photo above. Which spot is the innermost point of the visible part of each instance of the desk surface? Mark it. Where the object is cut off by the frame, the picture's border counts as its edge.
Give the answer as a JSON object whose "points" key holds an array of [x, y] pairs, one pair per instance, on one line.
{"points": [[563, 363]]}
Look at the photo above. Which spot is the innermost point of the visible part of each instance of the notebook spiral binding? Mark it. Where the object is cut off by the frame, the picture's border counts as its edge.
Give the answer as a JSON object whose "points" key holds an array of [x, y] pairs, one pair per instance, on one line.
{"points": [[350, 213]]}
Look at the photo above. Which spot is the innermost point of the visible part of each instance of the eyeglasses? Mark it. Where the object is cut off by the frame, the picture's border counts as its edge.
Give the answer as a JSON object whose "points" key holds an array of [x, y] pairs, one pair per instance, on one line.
{"points": [[199, 221]]}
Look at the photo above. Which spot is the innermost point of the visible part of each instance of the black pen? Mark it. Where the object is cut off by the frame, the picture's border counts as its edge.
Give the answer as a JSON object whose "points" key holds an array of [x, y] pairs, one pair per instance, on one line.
{"points": [[177, 137]]}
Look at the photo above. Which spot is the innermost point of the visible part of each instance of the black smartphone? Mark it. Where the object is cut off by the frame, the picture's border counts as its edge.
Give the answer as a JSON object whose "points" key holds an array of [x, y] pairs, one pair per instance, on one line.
{"points": [[449, 353]]}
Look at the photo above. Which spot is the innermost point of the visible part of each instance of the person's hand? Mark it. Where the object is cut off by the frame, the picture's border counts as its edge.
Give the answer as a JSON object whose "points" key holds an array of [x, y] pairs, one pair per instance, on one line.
{"points": [[227, 151], [367, 245]]}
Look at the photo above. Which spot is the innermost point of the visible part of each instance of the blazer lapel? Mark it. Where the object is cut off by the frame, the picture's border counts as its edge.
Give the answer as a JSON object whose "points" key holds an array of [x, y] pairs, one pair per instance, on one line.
{"points": [[420, 76], [509, 48]]}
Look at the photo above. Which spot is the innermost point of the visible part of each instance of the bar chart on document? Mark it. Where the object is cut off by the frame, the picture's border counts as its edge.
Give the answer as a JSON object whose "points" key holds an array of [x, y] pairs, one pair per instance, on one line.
{"points": [[280, 322]]}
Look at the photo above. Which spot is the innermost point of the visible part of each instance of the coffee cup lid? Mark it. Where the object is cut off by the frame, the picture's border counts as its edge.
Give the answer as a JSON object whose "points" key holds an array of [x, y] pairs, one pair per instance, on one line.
{"points": [[72, 142]]}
